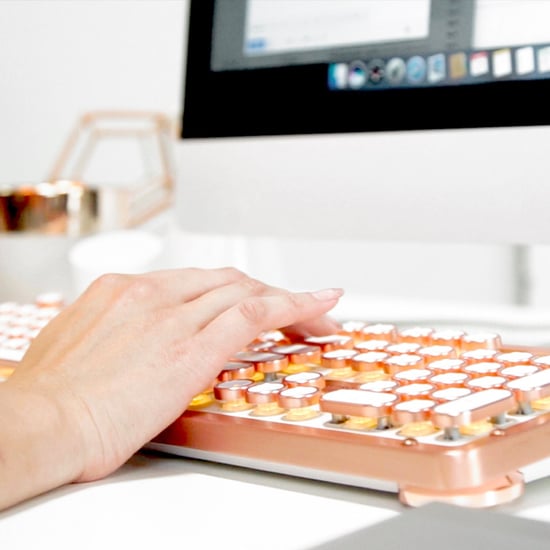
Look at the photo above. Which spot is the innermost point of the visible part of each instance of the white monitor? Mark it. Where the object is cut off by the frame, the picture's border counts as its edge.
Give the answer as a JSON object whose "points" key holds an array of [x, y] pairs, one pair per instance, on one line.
{"points": [[385, 120]]}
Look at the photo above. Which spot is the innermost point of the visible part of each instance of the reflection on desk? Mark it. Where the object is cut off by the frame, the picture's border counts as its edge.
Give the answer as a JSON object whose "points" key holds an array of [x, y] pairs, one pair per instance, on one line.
{"points": [[155, 500]]}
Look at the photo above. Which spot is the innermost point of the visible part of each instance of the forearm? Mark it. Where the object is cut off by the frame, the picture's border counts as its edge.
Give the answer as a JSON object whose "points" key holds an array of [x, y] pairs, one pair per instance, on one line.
{"points": [[37, 452]]}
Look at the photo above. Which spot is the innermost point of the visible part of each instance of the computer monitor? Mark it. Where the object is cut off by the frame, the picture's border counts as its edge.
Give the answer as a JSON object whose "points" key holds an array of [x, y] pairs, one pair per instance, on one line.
{"points": [[382, 120]]}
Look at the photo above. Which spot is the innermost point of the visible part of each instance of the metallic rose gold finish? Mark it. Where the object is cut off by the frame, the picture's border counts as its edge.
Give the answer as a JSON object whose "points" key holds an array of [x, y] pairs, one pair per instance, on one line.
{"points": [[338, 359], [518, 371], [371, 345], [499, 491], [353, 329], [261, 346], [264, 392], [415, 410], [488, 340], [379, 331], [486, 382], [300, 353], [483, 368], [542, 361], [531, 388], [446, 365], [231, 390], [451, 338], [419, 468], [473, 408], [330, 342], [276, 336], [403, 347], [410, 376], [478, 355], [414, 391], [370, 360], [419, 335], [265, 362], [513, 358], [450, 394], [308, 378], [449, 380], [435, 353], [5, 371], [235, 370], [379, 386], [299, 397], [357, 403], [397, 363]]}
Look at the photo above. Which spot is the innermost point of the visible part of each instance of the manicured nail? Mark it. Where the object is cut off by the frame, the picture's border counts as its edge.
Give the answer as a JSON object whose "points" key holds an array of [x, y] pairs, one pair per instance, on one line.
{"points": [[328, 294]]}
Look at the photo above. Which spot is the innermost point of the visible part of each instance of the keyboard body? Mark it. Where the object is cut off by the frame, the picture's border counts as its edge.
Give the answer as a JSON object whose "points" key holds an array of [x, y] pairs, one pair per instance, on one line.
{"points": [[429, 415]]}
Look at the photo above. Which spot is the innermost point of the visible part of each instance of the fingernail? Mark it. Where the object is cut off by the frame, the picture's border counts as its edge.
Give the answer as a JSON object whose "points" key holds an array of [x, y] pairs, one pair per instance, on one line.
{"points": [[328, 294]]}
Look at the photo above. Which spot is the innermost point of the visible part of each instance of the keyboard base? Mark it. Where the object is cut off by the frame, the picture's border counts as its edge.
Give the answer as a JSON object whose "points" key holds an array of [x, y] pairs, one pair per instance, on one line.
{"points": [[479, 472]]}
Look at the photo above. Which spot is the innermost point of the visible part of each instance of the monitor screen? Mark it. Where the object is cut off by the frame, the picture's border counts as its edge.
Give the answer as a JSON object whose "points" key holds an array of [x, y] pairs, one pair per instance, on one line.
{"points": [[382, 120], [275, 67]]}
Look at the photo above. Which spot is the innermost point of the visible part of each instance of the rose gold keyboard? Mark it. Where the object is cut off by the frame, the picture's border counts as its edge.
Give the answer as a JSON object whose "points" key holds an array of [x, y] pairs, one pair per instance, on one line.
{"points": [[433, 415]]}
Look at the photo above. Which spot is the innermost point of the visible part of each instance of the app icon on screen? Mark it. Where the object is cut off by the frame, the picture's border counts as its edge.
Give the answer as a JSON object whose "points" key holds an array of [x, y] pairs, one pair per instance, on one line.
{"points": [[479, 63], [525, 60], [502, 62], [416, 69], [338, 76], [436, 68], [543, 59], [396, 70], [376, 68], [357, 76], [457, 65]]}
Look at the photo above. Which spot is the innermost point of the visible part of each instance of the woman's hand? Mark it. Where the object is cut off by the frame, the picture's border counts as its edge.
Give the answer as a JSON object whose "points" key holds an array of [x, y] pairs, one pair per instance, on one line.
{"points": [[123, 361]]}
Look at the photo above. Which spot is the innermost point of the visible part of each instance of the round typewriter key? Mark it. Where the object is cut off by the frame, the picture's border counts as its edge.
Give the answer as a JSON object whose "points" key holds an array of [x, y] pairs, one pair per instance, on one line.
{"points": [[514, 358], [484, 368], [397, 363], [446, 365], [273, 336], [379, 331], [403, 347], [231, 395], [371, 345], [473, 341], [478, 355], [410, 376], [353, 329], [265, 396], [518, 371], [338, 362], [449, 379], [268, 363], [452, 338], [306, 378], [299, 402], [414, 417], [542, 361], [368, 361], [486, 382], [300, 356], [436, 352], [330, 342], [261, 346], [235, 370], [418, 335]]}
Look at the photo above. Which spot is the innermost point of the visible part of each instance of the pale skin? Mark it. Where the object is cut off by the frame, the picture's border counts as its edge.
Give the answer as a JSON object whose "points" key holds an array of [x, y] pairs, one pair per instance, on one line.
{"points": [[124, 360]]}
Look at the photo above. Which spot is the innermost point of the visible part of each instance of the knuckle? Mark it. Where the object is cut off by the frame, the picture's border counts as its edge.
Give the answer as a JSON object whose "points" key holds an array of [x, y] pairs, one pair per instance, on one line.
{"points": [[293, 301], [253, 286], [108, 281], [253, 311], [232, 273]]}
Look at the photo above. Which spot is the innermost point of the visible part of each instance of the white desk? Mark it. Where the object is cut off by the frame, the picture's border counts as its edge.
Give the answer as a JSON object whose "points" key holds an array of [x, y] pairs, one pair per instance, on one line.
{"points": [[158, 502]]}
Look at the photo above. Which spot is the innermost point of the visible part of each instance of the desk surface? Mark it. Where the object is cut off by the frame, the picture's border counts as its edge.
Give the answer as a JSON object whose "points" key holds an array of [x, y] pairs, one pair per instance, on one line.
{"points": [[154, 499]]}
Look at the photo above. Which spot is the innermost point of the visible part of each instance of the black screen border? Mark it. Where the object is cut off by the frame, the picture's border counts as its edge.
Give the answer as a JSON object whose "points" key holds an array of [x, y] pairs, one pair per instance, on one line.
{"points": [[295, 100]]}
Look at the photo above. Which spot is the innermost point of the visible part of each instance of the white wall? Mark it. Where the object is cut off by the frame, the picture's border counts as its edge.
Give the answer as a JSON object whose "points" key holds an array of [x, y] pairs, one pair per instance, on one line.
{"points": [[59, 59]]}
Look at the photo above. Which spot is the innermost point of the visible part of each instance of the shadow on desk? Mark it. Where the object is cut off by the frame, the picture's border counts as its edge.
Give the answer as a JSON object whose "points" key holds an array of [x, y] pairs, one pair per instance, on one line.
{"points": [[437, 526]]}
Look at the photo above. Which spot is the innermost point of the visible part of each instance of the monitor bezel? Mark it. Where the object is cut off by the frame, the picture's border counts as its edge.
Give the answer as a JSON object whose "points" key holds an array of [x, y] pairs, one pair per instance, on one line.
{"points": [[295, 100]]}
